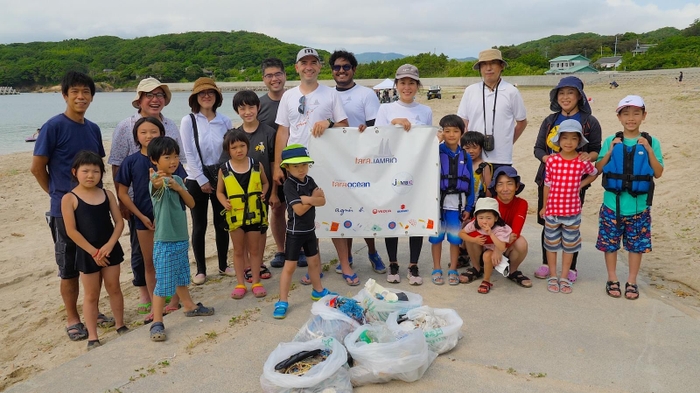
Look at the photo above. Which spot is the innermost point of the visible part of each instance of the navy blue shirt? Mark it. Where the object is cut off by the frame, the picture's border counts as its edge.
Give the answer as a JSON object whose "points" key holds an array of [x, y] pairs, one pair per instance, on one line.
{"points": [[60, 139], [134, 172], [293, 191]]}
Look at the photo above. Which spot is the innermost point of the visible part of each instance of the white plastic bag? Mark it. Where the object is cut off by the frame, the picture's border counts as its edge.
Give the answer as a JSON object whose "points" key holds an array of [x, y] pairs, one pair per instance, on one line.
{"points": [[440, 339], [326, 321], [406, 358], [379, 310], [328, 374]]}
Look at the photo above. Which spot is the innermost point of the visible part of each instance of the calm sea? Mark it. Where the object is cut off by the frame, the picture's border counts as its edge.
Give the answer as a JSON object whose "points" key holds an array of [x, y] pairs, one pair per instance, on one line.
{"points": [[21, 115]]}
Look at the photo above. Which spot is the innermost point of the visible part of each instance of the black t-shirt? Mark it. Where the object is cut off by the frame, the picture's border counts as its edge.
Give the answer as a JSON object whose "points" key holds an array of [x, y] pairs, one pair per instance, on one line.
{"points": [[293, 190], [268, 111]]}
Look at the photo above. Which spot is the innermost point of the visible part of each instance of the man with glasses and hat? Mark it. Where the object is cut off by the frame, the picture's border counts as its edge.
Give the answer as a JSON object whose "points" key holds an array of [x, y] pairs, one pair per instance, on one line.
{"points": [[151, 97], [305, 110], [495, 108]]}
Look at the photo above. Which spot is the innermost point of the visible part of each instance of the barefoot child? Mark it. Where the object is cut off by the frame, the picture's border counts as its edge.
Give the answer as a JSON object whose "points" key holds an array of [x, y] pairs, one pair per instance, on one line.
{"points": [[456, 197], [133, 172], [171, 240], [626, 210], [241, 191], [86, 212], [302, 196], [490, 231], [562, 203]]}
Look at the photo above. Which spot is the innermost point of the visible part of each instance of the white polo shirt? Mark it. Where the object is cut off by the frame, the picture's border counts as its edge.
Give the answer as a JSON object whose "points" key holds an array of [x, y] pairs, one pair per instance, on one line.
{"points": [[509, 109], [321, 104], [360, 103]]}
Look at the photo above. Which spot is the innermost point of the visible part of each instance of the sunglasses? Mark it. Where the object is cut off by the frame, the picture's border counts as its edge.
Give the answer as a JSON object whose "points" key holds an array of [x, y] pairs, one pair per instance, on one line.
{"points": [[302, 105], [345, 67]]}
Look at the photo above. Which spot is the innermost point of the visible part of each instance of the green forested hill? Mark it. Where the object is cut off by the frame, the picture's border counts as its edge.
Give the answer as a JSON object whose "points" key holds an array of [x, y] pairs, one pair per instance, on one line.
{"points": [[236, 56]]}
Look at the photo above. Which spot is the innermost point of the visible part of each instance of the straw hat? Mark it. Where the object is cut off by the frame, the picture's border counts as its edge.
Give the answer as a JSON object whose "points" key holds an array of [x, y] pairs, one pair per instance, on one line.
{"points": [[489, 55], [205, 83], [148, 85]]}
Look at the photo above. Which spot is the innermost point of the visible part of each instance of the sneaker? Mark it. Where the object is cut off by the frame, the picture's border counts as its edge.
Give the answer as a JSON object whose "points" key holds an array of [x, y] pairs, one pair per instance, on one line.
{"points": [[278, 260], [542, 271], [315, 295], [413, 277], [302, 260], [230, 272], [572, 276], [280, 310], [377, 264], [339, 268], [199, 279], [393, 276]]}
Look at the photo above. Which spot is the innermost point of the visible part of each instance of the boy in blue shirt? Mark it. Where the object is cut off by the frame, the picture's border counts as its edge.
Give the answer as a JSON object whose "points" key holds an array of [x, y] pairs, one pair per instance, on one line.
{"points": [[624, 214], [171, 240]]}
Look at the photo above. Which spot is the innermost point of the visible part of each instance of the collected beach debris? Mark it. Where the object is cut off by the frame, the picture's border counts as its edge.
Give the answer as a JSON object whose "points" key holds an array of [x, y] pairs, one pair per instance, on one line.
{"points": [[332, 316], [440, 326], [379, 302]]}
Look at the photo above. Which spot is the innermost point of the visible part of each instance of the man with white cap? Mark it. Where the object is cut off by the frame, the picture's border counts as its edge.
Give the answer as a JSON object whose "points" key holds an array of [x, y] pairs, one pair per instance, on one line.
{"points": [[151, 97], [495, 108], [305, 110]]}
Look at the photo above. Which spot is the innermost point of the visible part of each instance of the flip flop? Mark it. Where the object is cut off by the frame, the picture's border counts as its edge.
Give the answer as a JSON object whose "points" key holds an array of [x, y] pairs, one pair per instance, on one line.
{"points": [[79, 332], [144, 308], [350, 279], [306, 280]]}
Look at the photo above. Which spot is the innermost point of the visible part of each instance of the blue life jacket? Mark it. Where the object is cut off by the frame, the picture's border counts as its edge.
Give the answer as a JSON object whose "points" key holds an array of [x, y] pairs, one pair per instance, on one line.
{"points": [[455, 176], [629, 170]]}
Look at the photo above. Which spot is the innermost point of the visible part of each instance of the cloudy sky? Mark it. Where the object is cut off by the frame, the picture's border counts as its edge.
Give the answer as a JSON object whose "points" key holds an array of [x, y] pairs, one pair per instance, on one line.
{"points": [[457, 28]]}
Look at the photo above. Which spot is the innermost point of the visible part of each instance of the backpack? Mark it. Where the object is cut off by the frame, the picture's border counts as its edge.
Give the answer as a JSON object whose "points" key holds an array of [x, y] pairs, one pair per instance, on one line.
{"points": [[629, 171], [454, 178]]}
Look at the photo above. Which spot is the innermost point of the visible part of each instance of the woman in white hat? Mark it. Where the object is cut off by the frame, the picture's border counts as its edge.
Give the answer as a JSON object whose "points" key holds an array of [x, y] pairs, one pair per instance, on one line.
{"points": [[202, 134]]}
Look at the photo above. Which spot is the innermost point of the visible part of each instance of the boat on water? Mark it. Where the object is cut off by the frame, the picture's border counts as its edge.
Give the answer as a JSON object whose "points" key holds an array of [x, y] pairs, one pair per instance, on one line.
{"points": [[33, 137]]}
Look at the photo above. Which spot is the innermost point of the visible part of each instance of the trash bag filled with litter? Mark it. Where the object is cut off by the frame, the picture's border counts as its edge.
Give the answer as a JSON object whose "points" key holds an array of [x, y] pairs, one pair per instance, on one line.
{"points": [[332, 316], [379, 302], [440, 326]]}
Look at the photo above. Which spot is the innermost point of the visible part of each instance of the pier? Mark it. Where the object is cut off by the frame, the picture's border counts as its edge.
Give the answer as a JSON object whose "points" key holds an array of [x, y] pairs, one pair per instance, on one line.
{"points": [[7, 91]]}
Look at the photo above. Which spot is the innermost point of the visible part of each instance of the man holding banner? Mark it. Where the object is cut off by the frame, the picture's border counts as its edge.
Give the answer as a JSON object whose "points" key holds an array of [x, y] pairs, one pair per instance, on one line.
{"points": [[305, 110], [361, 105]]}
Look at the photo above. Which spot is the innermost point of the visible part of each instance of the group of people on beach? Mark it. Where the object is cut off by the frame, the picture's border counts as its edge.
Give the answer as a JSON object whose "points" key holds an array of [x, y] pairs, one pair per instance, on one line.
{"points": [[255, 177]]}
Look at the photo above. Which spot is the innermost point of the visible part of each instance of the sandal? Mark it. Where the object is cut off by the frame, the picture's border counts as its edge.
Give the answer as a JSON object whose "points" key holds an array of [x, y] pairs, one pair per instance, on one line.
{"points": [[463, 259], [339, 267], [239, 291], [158, 332], [484, 287], [453, 277], [631, 289], [171, 309], [553, 284], [564, 286], [351, 279], [265, 273], [613, 286], [92, 344], [518, 277], [278, 260], [104, 321], [77, 332], [306, 280], [148, 319], [280, 310], [200, 311], [542, 271], [144, 308], [258, 290], [437, 277], [122, 330], [470, 275]]}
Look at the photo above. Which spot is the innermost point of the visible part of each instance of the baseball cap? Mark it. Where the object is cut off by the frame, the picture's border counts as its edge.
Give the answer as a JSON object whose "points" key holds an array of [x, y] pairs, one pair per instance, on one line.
{"points": [[630, 100], [308, 52], [407, 71], [295, 154]]}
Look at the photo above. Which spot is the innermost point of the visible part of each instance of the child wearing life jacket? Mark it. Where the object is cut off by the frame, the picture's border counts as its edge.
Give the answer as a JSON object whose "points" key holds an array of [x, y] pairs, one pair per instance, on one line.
{"points": [[489, 230], [302, 195], [473, 143], [562, 204], [456, 197], [241, 190], [630, 160]]}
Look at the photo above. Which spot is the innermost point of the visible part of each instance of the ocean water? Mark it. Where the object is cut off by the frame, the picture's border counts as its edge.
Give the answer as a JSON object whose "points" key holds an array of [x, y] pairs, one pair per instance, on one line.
{"points": [[21, 115]]}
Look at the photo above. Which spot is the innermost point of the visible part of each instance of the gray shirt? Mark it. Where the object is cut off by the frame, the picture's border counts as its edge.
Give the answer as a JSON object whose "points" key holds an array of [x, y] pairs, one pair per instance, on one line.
{"points": [[268, 111]]}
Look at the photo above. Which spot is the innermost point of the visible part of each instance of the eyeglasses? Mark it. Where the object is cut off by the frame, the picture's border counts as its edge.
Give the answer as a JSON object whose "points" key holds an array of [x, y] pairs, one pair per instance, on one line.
{"points": [[277, 75], [206, 93], [302, 105], [151, 96], [345, 67]]}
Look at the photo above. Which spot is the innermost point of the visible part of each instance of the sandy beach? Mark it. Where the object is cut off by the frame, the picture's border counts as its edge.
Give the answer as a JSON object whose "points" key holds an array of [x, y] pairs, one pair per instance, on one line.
{"points": [[32, 328]]}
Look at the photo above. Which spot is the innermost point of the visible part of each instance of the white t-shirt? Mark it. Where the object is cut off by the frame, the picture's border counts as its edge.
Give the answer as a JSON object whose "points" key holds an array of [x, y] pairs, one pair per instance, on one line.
{"points": [[509, 109], [416, 113], [321, 104], [360, 104]]}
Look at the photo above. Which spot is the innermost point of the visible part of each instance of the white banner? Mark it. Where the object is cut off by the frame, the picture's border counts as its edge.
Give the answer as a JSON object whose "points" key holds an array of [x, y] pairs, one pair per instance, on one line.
{"points": [[383, 182]]}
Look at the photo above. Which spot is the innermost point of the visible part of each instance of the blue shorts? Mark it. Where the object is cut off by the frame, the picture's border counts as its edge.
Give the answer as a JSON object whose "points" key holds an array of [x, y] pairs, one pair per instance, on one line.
{"points": [[635, 231], [450, 226], [172, 264], [562, 233]]}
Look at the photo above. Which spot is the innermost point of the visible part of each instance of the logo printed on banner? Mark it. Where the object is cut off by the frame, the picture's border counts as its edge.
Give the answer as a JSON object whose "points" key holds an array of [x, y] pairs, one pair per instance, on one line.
{"points": [[381, 211], [402, 183], [392, 225], [347, 224], [342, 210], [402, 209], [351, 184], [384, 156]]}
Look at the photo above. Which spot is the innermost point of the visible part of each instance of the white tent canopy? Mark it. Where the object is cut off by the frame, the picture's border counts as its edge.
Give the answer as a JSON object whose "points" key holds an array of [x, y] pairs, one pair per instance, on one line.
{"points": [[386, 84]]}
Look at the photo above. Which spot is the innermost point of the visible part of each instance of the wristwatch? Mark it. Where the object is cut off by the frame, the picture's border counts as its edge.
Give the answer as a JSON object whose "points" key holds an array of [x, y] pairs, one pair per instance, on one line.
{"points": [[330, 123]]}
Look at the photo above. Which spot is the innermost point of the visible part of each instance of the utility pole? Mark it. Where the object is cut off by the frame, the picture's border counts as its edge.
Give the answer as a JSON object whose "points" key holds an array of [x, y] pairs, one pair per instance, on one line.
{"points": [[615, 54]]}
